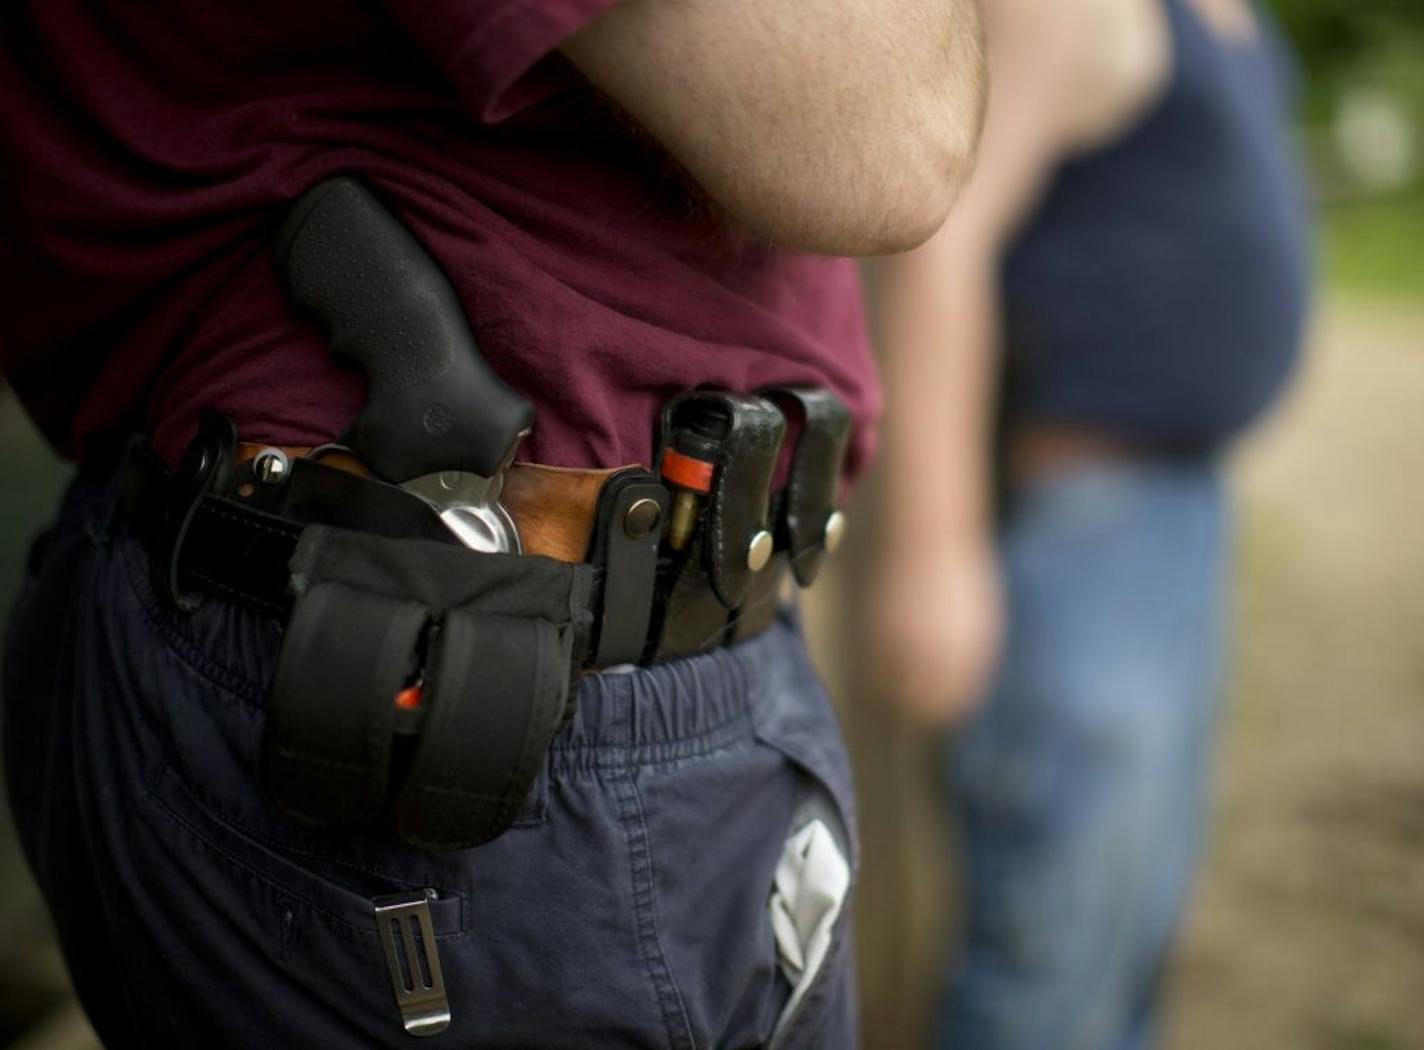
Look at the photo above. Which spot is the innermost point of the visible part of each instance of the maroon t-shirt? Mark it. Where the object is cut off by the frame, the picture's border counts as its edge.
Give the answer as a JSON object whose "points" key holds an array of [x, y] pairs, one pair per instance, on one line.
{"points": [[150, 150]]}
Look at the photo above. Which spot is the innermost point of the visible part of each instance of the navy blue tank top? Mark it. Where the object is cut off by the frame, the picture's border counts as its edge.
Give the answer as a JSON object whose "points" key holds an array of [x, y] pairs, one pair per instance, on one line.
{"points": [[1161, 289]]}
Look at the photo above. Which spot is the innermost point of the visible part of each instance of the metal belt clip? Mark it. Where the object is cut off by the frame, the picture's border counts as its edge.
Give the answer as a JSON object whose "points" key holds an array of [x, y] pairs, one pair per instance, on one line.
{"points": [[408, 936]]}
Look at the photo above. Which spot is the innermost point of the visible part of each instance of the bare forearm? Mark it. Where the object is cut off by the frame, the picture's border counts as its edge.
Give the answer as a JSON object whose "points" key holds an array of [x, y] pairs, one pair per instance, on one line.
{"points": [[938, 321], [844, 126]]}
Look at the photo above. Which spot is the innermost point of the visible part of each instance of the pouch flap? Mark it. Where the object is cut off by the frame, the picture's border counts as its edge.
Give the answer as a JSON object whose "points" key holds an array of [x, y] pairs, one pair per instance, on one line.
{"points": [[495, 691], [327, 745], [815, 473], [443, 576]]}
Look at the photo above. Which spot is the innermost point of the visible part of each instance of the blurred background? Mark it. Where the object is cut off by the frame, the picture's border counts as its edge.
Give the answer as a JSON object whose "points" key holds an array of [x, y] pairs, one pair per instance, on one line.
{"points": [[1307, 929]]}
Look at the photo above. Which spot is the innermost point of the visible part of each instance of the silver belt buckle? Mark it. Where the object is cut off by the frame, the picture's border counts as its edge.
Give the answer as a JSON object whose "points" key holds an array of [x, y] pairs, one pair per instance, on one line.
{"points": [[408, 937]]}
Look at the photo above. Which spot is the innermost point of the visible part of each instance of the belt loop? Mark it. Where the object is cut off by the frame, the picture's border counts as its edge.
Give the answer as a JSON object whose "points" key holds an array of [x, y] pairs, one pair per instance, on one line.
{"points": [[628, 528], [203, 468], [103, 518]]}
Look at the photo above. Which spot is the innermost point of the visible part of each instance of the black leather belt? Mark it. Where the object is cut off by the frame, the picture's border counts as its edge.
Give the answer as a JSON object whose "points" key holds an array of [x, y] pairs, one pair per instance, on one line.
{"points": [[215, 527]]}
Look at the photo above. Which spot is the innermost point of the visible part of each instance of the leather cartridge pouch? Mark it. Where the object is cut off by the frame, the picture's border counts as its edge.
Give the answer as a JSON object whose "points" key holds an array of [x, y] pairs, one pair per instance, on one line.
{"points": [[481, 649], [709, 583], [806, 519]]}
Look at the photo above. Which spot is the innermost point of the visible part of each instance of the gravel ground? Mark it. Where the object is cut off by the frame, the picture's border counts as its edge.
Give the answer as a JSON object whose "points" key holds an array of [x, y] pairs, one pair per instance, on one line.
{"points": [[1309, 928]]}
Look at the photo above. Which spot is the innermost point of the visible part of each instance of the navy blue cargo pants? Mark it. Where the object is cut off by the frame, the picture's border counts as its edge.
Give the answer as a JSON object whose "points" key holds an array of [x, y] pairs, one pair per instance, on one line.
{"points": [[628, 906]]}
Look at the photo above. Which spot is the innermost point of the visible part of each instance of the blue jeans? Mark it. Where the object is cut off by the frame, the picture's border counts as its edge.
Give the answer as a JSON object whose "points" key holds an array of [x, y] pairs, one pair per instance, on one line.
{"points": [[628, 907], [1079, 786]]}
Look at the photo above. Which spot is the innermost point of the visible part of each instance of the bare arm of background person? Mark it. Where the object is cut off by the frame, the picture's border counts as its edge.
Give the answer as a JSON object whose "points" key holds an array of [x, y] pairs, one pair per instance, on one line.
{"points": [[840, 126], [1064, 76]]}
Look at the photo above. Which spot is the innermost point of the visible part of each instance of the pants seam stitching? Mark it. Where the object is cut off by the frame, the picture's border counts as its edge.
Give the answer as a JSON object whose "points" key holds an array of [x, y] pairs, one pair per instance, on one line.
{"points": [[669, 997]]}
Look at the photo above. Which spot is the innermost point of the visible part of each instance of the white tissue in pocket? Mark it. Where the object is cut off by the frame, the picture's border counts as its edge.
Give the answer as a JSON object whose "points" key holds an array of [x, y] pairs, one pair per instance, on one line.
{"points": [[812, 881]]}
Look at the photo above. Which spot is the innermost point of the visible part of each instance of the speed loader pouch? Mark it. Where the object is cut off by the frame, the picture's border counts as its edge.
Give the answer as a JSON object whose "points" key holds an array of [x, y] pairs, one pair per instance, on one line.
{"points": [[475, 651]]}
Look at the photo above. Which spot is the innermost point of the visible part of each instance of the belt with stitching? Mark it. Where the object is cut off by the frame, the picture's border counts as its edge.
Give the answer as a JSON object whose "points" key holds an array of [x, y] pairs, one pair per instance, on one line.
{"points": [[216, 542]]}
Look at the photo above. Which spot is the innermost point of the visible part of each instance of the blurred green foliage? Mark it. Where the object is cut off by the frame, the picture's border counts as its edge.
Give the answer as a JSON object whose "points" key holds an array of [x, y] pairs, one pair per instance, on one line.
{"points": [[1375, 245], [1369, 243], [1352, 41]]}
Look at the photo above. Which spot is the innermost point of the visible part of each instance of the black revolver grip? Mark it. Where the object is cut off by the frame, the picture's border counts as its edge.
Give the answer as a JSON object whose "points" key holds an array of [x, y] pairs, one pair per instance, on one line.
{"points": [[433, 402]]}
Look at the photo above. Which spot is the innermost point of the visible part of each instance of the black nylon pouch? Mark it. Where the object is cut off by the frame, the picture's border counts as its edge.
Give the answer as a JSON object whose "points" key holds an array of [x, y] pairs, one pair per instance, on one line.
{"points": [[496, 688], [508, 634], [327, 748], [444, 576]]}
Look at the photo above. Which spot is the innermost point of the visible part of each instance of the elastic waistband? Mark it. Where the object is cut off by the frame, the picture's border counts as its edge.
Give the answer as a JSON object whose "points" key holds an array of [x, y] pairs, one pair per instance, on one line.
{"points": [[680, 709]]}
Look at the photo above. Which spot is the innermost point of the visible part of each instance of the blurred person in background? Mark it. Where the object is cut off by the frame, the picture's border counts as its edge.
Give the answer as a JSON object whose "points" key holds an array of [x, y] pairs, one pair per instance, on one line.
{"points": [[1120, 292]]}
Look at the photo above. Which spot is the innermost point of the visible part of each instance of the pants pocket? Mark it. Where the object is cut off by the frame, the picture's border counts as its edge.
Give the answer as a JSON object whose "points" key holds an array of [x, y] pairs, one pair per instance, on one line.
{"points": [[344, 903], [810, 892], [810, 904], [270, 938]]}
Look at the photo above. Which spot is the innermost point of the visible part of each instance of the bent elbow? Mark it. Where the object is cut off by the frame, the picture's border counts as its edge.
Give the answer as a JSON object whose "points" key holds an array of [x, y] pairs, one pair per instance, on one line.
{"points": [[878, 198], [921, 196], [925, 183], [878, 187]]}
